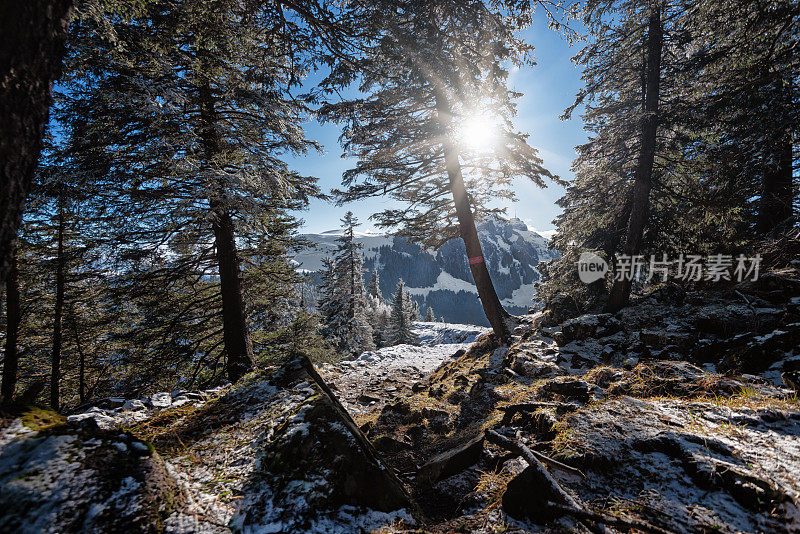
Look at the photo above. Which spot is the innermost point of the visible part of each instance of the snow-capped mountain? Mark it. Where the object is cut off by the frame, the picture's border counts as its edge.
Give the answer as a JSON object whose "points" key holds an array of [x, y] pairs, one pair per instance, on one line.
{"points": [[441, 279]]}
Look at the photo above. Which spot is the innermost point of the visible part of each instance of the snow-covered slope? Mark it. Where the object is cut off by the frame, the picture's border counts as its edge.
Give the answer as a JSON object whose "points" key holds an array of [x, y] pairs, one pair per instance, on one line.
{"points": [[441, 278]]}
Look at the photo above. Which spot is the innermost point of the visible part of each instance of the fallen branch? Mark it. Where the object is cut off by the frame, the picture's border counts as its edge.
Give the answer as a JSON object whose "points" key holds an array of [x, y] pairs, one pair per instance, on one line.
{"points": [[534, 458], [569, 505]]}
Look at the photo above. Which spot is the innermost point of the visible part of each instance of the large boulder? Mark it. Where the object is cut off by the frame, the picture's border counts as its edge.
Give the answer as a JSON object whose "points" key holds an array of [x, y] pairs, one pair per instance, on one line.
{"points": [[316, 466], [63, 478]]}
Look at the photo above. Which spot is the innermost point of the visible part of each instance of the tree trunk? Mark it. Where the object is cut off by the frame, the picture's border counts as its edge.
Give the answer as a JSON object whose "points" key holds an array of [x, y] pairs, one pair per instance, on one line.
{"points": [[236, 334], [55, 373], [777, 197], [11, 358], [31, 52], [81, 356], [492, 307], [640, 201]]}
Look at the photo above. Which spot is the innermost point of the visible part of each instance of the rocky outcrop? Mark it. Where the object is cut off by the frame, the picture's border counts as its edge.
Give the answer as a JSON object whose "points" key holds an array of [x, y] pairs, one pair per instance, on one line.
{"points": [[313, 465], [78, 478]]}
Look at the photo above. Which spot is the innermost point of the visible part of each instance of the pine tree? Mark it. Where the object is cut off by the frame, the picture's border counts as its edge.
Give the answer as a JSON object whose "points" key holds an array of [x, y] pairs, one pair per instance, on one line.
{"points": [[431, 68], [32, 49], [354, 331], [746, 54], [429, 315], [400, 322], [373, 286], [12, 321], [633, 168], [415, 315], [200, 173], [643, 175], [330, 306]]}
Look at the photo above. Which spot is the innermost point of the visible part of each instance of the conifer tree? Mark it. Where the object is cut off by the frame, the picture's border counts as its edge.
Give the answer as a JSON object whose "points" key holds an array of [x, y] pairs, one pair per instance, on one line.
{"points": [[432, 68], [12, 322], [429, 315], [31, 52], [746, 55], [373, 286], [714, 133], [185, 143], [632, 112], [354, 331], [329, 304], [399, 330]]}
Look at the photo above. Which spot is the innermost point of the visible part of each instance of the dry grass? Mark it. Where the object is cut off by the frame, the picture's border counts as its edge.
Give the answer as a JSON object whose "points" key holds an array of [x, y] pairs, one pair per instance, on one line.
{"points": [[493, 485]]}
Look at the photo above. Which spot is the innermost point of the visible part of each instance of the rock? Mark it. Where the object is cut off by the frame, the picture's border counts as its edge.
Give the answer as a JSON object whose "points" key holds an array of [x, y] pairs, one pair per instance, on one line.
{"points": [[101, 420], [535, 368], [133, 405], [567, 387], [725, 320], [181, 401], [115, 402], [367, 399], [542, 319], [702, 455], [760, 352], [161, 400], [611, 326], [582, 327], [317, 463], [526, 495], [682, 341], [451, 462], [388, 444], [78, 478]]}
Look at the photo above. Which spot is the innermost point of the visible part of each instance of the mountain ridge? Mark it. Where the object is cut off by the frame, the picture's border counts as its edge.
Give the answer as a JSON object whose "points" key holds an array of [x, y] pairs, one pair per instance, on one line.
{"points": [[441, 278]]}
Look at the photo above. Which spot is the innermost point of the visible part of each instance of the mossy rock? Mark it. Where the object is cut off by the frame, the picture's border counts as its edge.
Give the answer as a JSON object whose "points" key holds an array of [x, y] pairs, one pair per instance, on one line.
{"points": [[316, 464], [77, 478]]}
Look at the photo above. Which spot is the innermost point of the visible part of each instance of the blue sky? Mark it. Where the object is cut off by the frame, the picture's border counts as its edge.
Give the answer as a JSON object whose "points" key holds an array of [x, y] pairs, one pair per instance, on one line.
{"points": [[549, 87]]}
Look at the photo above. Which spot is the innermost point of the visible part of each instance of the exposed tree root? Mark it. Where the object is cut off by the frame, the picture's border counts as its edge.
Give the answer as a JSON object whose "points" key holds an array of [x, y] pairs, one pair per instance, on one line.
{"points": [[568, 504], [531, 456]]}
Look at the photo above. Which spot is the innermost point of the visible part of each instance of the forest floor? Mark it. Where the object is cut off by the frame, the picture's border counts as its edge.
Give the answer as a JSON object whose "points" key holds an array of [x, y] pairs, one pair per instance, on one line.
{"points": [[677, 414]]}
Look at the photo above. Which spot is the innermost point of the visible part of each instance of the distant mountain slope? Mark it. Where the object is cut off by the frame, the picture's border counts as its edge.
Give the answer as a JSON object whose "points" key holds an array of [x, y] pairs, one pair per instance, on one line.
{"points": [[441, 279]]}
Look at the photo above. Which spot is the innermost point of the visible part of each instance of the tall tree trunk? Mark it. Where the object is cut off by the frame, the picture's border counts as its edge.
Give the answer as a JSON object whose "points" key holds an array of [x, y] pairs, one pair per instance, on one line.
{"points": [[55, 373], [777, 196], [31, 52], [11, 358], [492, 307], [81, 356], [640, 200], [236, 334]]}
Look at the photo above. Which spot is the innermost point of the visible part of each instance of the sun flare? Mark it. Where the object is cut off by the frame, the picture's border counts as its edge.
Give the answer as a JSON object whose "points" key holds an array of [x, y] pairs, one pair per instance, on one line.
{"points": [[479, 132]]}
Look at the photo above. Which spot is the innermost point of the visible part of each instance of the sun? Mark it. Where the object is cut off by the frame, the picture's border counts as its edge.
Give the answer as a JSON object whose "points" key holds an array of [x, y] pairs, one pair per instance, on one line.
{"points": [[479, 132]]}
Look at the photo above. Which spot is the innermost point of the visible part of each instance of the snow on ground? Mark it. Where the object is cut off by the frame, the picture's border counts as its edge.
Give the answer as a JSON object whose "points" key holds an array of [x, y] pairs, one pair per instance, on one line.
{"points": [[437, 341], [430, 334], [385, 373]]}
